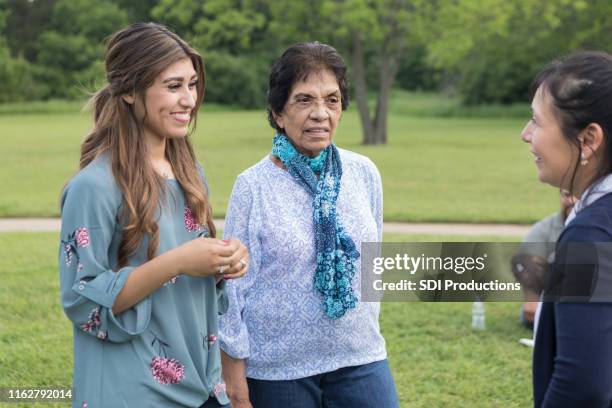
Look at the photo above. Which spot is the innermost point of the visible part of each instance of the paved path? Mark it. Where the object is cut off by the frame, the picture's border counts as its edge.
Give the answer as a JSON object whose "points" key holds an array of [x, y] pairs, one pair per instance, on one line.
{"points": [[53, 224]]}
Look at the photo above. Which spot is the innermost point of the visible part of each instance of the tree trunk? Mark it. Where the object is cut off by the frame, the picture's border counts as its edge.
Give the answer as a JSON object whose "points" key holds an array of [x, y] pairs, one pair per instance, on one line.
{"points": [[361, 89], [389, 56], [388, 71], [390, 53]]}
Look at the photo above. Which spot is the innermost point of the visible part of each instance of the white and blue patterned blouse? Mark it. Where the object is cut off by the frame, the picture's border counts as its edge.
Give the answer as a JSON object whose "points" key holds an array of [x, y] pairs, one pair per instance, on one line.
{"points": [[276, 319], [163, 351]]}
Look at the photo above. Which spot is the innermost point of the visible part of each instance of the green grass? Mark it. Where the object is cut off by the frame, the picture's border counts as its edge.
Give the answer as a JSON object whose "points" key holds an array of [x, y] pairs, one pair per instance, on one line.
{"points": [[52, 106], [433, 169], [35, 337], [411, 103], [427, 104], [397, 237], [436, 359]]}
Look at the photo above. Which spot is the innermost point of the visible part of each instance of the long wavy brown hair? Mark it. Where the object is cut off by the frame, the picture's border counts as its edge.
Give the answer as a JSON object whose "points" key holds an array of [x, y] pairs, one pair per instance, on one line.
{"points": [[135, 56]]}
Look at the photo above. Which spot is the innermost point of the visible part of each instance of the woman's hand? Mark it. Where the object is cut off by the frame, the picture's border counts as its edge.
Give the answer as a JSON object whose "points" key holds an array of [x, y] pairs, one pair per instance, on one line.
{"points": [[199, 257], [203, 257], [238, 264]]}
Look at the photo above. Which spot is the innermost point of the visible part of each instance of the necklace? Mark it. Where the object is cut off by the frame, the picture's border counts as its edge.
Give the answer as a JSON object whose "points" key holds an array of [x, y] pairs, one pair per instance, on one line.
{"points": [[165, 173]]}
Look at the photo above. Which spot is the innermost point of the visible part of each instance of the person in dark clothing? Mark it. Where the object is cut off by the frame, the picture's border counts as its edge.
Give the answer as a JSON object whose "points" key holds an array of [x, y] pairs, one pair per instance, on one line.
{"points": [[569, 135]]}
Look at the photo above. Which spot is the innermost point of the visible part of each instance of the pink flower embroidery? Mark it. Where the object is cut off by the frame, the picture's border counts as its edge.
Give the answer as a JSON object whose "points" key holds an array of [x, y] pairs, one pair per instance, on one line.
{"points": [[167, 370], [84, 405], [87, 326], [68, 252], [190, 222], [219, 387], [77, 239], [211, 339], [82, 237], [93, 322]]}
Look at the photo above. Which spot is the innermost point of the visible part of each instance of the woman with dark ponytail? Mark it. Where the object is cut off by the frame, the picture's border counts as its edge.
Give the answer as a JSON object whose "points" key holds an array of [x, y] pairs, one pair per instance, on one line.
{"points": [[141, 272], [570, 137]]}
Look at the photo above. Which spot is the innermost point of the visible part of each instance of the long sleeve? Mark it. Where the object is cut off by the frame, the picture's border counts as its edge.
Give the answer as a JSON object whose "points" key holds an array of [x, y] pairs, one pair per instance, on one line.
{"points": [[241, 223], [377, 199], [582, 366], [89, 285]]}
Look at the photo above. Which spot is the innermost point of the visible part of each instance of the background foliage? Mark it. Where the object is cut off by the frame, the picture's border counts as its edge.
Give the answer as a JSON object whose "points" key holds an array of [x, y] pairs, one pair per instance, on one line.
{"points": [[484, 50]]}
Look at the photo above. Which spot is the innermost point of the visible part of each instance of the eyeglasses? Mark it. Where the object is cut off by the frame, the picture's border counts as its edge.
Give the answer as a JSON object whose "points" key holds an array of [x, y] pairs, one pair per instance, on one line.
{"points": [[305, 103]]}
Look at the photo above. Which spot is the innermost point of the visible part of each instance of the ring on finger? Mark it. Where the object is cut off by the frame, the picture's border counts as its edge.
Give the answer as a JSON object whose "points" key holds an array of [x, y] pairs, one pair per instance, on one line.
{"points": [[222, 269], [243, 263]]}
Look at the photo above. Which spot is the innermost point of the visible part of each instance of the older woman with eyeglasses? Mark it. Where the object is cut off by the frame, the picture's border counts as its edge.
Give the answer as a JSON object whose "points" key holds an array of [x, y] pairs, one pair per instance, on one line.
{"points": [[296, 333]]}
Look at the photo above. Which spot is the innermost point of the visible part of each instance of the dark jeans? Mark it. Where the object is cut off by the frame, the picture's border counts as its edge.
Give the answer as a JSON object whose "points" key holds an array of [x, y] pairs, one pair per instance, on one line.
{"points": [[213, 403], [365, 386]]}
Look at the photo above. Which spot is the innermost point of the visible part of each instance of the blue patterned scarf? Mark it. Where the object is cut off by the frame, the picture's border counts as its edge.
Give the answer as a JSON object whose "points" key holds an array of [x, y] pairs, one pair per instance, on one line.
{"points": [[336, 252]]}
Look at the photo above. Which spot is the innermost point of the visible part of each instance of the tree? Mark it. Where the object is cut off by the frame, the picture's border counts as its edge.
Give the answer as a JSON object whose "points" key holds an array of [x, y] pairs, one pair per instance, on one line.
{"points": [[138, 11], [179, 15], [25, 23], [495, 47], [368, 32], [223, 31], [4, 14], [228, 25], [71, 49], [16, 83]]}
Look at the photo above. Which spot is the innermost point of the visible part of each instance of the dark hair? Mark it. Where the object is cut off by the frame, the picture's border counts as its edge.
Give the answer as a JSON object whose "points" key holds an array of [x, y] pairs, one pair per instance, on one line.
{"points": [[297, 62], [580, 87]]}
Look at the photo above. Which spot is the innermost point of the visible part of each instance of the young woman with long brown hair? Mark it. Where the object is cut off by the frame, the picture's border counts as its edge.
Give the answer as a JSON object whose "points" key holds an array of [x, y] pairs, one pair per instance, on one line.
{"points": [[141, 270]]}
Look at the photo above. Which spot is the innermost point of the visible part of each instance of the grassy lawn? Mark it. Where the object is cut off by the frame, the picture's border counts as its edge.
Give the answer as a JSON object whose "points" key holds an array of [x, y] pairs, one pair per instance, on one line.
{"points": [[437, 360], [433, 169]]}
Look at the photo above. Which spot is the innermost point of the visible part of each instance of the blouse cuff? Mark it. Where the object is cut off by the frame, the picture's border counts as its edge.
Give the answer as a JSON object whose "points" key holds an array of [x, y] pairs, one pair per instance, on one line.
{"points": [[130, 323], [235, 351], [234, 338], [104, 288]]}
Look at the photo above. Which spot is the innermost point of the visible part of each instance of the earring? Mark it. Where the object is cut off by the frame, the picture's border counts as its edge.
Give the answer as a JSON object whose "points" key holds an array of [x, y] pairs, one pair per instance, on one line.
{"points": [[583, 160]]}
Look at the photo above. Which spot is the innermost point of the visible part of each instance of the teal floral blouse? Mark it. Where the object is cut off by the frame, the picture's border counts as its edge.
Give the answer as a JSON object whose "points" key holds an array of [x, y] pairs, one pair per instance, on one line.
{"points": [[162, 352]]}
